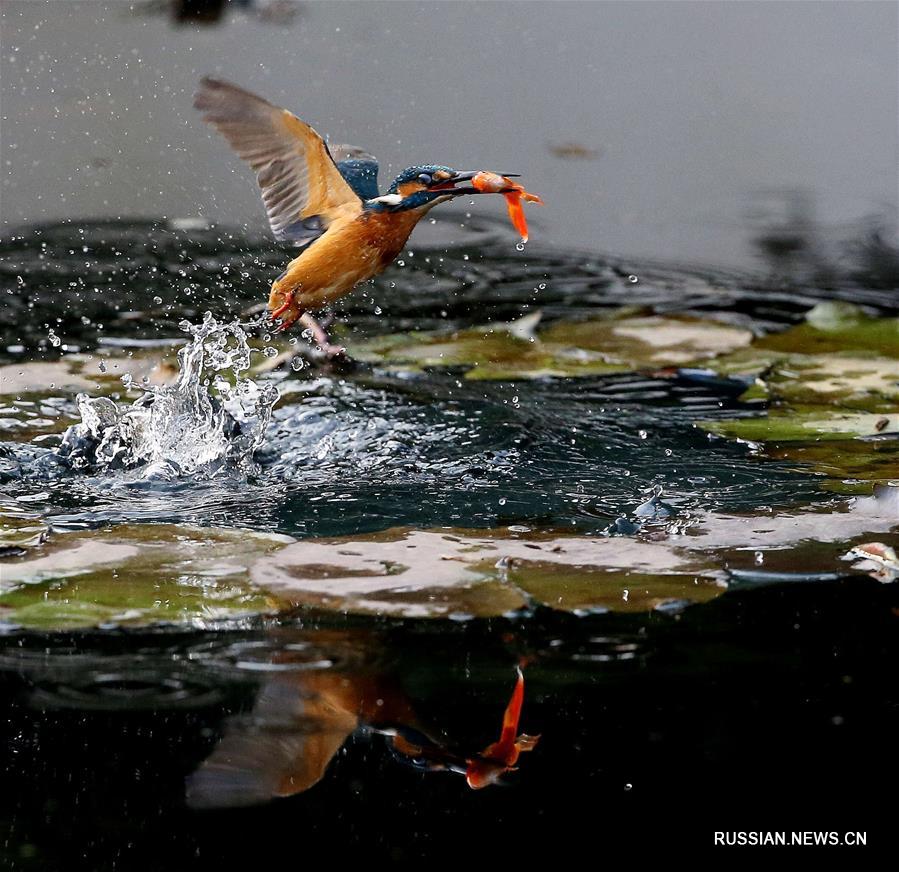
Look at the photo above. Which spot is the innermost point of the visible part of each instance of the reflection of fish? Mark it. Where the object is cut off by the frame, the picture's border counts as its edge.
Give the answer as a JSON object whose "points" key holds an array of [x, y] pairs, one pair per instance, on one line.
{"points": [[493, 183], [502, 755], [482, 769]]}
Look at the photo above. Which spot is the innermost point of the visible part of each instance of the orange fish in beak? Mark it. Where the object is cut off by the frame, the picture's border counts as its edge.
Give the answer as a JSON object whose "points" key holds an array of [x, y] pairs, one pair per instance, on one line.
{"points": [[501, 757], [493, 183]]}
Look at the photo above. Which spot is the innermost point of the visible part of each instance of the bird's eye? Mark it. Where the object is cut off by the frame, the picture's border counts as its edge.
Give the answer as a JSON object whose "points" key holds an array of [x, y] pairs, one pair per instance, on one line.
{"points": [[425, 178]]}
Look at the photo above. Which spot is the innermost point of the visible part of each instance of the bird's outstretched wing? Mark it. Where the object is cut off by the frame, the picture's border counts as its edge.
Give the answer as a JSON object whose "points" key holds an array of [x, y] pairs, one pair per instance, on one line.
{"points": [[302, 187]]}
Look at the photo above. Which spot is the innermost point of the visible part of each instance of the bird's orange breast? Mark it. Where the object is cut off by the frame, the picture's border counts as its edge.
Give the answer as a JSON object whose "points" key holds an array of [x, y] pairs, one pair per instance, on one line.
{"points": [[352, 250]]}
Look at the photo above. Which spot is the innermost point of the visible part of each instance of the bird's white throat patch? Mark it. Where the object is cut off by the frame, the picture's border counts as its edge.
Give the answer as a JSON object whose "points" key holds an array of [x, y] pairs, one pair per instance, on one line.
{"points": [[388, 199]]}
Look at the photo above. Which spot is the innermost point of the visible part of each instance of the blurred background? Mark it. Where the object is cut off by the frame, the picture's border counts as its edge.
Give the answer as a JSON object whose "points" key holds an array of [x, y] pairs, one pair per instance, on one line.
{"points": [[728, 133]]}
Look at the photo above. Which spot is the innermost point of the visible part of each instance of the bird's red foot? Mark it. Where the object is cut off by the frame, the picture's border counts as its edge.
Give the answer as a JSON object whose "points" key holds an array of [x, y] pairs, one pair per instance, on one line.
{"points": [[283, 307]]}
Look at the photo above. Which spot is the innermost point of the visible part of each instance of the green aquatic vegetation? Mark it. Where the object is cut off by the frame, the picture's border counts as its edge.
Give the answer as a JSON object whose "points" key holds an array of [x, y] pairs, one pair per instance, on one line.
{"points": [[805, 423], [135, 575], [486, 353], [614, 343], [835, 326], [19, 531], [463, 573], [596, 589], [849, 465], [866, 383], [95, 373], [833, 379], [145, 575]]}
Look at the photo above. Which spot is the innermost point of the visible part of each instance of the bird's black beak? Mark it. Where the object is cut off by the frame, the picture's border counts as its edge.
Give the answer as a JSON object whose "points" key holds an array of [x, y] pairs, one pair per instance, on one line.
{"points": [[449, 185]]}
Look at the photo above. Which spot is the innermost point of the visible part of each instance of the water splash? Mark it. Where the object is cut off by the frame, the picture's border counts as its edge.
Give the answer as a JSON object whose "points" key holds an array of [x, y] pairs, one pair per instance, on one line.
{"points": [[212, 418]]}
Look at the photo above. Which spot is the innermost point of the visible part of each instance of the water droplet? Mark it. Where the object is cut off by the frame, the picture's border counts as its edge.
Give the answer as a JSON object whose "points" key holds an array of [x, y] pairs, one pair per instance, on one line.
{"points": [[642, 434], [378, 310], [519, 246], [268, 351], [102, 366], [297, 363], [502, 501], [759, 558], [628, 786], [633, 279], [157, 301], [401, 263], [55, 341]]}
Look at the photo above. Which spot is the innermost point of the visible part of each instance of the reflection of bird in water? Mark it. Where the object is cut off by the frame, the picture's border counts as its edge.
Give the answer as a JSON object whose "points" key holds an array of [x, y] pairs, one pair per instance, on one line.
{"points": [[302, 719], [324, 199]]}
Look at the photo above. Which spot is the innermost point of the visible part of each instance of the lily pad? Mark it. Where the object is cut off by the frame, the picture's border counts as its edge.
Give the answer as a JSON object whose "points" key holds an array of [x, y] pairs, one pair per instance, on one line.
{"points": [[469, 573], [73, 373], [19, 531], [850, 465], [865, 383], [651, 341], [486, 353], [481, 573], [599, 590], [136, 575], [820, 392], [615, 343], [40, 376], [837, 327], [805, 424]]}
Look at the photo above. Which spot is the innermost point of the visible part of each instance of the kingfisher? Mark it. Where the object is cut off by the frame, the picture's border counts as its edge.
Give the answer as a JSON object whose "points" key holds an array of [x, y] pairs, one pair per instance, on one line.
{"points": [[324, 199]]}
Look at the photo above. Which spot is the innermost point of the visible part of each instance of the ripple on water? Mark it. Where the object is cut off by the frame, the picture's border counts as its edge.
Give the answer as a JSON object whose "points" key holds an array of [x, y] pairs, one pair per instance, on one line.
{"points": [[343, 453]]}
